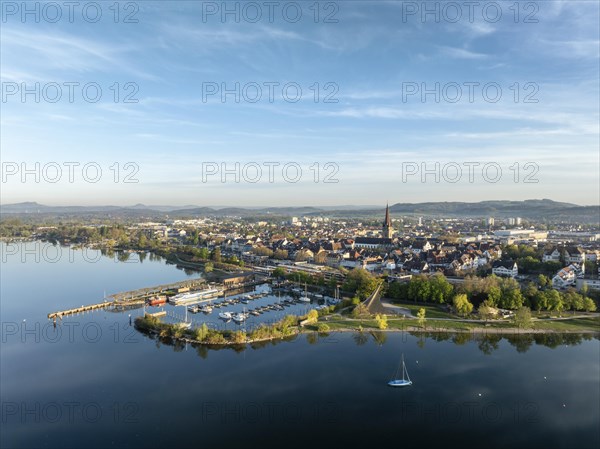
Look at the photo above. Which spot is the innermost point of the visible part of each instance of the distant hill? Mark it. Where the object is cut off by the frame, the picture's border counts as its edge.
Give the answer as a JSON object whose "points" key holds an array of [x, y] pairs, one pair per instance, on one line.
{"points": [[525, 209], [532, 209]]}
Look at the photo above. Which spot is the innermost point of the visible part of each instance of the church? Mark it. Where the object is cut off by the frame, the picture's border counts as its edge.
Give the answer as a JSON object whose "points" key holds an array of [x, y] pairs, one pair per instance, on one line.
{"points": [[378, 242]]}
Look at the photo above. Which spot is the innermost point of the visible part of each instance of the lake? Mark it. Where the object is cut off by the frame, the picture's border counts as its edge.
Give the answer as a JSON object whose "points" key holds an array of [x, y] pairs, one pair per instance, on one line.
{"points": [[94, 381]]}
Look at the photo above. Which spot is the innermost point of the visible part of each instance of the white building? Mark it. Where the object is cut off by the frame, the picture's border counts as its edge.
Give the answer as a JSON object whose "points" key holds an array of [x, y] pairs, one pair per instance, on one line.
{"points": [[505, 268], [564, 278]]}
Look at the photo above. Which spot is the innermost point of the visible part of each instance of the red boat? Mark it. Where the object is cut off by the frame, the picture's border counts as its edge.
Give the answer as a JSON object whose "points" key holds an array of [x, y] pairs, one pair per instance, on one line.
{"points": [[157, 300]]}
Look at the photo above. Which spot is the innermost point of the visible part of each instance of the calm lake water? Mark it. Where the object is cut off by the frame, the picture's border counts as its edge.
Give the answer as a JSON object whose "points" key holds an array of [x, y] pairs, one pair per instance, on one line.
{"points": [[93, 381]]}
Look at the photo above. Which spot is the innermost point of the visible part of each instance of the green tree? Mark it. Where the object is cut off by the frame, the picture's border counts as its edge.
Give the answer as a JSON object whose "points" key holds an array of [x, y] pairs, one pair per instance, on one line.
{"points": [[540, 301], [486, 310], [201, 332], [312, 316], [440, 290], [543, 281], [142, 241], [421, 317], [216, 254], [322, 327], [419, 288], [278, 272], [589, 305], [493, 296], [522, 318], [462, 305], [554, 301], [398, 291], [238, 336], [361, 282], [511, 294]]}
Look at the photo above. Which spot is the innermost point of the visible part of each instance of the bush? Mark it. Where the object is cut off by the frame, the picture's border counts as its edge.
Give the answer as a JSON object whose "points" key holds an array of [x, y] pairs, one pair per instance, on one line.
{"points": [[322, 327], [360, 311], [381, 321]]}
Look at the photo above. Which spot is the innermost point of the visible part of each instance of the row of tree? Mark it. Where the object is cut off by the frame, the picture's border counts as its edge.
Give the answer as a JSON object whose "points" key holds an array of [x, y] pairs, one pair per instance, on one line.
{"points": [[505, 293]]}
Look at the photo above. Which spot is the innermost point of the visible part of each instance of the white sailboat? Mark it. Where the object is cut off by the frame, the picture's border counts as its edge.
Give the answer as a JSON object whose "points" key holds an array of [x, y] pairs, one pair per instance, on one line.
{"points": [[185, 324], [305, 298], [405, 380]]}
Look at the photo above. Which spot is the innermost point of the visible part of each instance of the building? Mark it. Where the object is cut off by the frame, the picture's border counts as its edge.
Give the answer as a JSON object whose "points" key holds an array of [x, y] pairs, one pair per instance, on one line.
{"points": [[238, 279], [574, 255], [372, 242], [378, 242], [505, 268], [564, 278], [551, 256]]}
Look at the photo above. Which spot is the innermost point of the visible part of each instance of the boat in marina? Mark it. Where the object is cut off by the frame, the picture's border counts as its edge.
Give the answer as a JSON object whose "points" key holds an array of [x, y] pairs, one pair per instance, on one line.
{"points": [[239, 317], [194, 309], [225, 315], [206, 308], [157, 300], [185, 324], [304, 298], [187, 298]]}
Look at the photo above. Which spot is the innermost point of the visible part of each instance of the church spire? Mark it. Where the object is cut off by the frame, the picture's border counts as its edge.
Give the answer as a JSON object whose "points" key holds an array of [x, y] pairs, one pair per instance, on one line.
{"points": [[387, 223]]}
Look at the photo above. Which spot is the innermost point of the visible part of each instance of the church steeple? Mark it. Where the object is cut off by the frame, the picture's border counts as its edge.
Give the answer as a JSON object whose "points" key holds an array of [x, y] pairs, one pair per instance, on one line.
{"points": [[387, 224]]}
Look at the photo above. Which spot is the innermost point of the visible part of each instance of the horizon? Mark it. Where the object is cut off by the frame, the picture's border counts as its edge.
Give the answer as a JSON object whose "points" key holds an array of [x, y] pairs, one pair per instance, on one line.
{"points": [[338, 206]]}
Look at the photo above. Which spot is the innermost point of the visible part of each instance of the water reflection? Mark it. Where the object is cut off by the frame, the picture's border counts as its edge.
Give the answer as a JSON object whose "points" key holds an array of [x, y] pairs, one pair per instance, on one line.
{"points": [[486, 343]]}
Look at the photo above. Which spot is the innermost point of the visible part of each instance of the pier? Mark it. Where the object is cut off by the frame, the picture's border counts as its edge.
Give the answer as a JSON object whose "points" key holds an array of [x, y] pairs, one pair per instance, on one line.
{"points": [[81, 309], [231, 282], [132, 297], [143, 293]]}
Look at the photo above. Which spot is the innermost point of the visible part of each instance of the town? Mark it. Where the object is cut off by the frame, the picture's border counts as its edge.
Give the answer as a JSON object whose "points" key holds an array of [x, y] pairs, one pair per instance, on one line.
{"points": [[471, 267]]}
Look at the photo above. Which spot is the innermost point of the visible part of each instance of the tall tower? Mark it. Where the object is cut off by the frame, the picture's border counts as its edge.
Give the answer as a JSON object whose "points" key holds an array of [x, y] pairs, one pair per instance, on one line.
{"points": [[387, 224]]}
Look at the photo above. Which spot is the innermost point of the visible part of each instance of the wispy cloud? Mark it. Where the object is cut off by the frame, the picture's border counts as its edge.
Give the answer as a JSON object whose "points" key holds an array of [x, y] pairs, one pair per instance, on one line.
{"points": [[461, 53]]}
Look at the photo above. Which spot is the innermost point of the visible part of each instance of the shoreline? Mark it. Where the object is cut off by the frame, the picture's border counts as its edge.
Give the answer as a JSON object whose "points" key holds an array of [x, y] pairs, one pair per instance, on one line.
{"points": [[479, 331]]}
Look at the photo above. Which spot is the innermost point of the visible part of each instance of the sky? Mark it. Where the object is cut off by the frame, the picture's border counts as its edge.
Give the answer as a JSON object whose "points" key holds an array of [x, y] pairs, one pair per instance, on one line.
{"points": [[299, 103]]}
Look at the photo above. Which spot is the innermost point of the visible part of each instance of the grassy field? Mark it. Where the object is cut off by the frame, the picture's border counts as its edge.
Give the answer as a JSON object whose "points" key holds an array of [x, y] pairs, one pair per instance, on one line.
{"points": [[431, 311], [572, 325]]}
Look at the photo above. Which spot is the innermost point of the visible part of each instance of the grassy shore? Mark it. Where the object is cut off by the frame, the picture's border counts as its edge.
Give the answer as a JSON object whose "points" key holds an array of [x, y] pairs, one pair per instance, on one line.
{"points": [[291, 326], [578, 325]]}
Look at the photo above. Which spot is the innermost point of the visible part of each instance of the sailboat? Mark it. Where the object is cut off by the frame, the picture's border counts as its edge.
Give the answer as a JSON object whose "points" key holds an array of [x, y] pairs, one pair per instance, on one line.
{"points": [[305, 298], [405, 381], [185, 324]]}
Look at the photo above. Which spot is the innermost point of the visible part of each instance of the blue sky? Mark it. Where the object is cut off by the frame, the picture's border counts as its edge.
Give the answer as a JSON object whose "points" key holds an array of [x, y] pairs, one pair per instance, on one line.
{"points": [[372, 54]]}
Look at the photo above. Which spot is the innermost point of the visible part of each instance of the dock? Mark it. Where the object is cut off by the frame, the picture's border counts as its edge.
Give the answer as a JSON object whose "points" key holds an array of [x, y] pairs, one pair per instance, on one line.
{"points": [[139, 296], [132, 297], [81, 309]]}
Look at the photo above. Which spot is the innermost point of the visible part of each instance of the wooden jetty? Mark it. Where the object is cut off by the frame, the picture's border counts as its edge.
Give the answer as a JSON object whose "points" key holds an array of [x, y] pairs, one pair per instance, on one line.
{"points": [[81, 309]]}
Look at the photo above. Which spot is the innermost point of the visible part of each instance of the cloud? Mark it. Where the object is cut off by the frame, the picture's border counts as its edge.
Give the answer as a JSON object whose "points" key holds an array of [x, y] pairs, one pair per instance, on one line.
{"points": [[461, 53]]}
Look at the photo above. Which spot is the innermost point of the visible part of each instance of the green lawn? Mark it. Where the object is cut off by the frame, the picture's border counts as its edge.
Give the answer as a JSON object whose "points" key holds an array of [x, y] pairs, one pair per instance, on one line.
{"points": [[591, 323], [574, 325], [431, 311]]}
